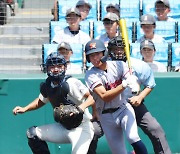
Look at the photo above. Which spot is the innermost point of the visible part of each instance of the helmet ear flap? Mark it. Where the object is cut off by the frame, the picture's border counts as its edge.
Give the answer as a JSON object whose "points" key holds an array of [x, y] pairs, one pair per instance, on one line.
{"points": [[105, 57]]}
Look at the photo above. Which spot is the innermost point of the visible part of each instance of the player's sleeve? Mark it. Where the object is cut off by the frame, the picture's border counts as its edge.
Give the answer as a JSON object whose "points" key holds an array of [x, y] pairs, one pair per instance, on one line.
{"points": [[43, 99], [43, 93], [92, 80], [77, 89], [147, 76], [57, 38]]}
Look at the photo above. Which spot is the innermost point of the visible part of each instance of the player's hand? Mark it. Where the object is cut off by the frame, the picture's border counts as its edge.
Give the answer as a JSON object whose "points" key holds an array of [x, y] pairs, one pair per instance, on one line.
{"points": [[18, 109], [132, 83], [135, 100]]}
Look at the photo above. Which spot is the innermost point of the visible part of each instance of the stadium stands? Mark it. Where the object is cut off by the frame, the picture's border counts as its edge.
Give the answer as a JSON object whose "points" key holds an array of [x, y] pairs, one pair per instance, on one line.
{"points": [[131, 11], [63, 5]]}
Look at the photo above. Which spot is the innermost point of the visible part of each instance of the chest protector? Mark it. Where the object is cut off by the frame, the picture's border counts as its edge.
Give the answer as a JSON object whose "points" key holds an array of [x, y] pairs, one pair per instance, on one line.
{"points": [[56, 95]]}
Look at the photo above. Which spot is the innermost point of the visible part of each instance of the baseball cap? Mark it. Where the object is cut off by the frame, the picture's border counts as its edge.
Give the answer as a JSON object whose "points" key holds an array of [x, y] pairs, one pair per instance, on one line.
{"points": [[82, 2], [116, 6], [147, 19], [73, 10], [64, 45], [165, 2], [147, 44], [111, 16]]}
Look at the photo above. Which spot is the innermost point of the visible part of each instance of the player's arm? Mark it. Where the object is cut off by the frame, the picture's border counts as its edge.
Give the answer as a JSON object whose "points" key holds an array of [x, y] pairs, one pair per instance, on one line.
{"points": [[88, 102], [37, 103], [137, 100], [108, 95]]}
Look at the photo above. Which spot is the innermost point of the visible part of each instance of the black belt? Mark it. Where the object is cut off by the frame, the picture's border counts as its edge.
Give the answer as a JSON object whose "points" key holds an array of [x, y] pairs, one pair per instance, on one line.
{"points": [[110, 110]]}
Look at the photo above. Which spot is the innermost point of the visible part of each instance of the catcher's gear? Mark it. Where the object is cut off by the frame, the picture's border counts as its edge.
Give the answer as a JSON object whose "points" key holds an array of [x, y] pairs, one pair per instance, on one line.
{"points": [[53, 59], [116, 42], [70, 116]]}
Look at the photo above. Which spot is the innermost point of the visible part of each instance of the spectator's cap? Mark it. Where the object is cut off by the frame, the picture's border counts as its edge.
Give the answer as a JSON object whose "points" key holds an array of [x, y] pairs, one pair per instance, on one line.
{"points": [[82, 2], [148, 19], [116, 6], [64, 45], [147, 44], [111, 16], [73, 10], [165, 2]]}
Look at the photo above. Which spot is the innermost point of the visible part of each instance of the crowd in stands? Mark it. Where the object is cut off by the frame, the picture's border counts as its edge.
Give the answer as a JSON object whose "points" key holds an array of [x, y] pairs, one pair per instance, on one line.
{"points": [[144, 27]]}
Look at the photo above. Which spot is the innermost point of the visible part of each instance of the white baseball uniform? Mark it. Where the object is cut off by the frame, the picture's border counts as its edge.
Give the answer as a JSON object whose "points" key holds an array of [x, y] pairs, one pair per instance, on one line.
{"points": [[66, 36], [81, 136], [123, 119]]}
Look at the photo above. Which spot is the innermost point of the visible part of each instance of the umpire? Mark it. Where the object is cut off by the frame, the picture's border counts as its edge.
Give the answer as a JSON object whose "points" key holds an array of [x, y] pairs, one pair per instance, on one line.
{"points": [[145, 120]]}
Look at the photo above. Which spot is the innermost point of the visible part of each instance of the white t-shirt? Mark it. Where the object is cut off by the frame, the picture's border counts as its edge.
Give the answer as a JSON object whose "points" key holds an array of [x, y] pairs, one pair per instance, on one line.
{"points": [[74, 68], [66, 36], [157, 67], [156, 39]]}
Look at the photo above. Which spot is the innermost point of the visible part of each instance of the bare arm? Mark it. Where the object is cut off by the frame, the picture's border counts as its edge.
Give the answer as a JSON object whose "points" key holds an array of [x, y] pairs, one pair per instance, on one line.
{"points": [[137, 100], [37, 103], [108, 95], [89, 101]]}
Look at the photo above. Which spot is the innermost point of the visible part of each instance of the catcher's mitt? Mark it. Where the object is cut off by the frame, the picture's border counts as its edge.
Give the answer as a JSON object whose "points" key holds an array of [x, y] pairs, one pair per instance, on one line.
{"points": [[70, 116]]}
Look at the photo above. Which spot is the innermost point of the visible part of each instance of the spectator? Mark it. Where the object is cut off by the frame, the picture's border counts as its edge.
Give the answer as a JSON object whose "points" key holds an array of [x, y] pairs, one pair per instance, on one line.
{"points": [[72, 33], [148, 25], [66, 50], [114, 8], [84, 7], [162, 8], [148, 50], [110, 22]]}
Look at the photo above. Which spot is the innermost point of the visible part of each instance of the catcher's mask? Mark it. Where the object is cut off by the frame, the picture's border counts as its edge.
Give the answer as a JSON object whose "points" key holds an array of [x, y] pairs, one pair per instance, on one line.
{"points": [[55, 59], [94, 46], [113, 44]]}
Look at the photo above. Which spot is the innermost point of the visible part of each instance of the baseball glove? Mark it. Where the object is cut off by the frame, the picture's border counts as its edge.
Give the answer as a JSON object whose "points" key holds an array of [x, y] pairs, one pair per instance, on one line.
{"points": [[70, 116]]}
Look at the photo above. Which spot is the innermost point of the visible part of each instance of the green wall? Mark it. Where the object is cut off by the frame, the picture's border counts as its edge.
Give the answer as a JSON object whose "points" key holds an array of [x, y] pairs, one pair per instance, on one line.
{"points": [[163, 103]]}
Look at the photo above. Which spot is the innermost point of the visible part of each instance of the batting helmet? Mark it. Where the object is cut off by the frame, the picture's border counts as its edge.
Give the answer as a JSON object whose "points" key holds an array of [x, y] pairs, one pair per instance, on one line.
{"points": [[95, 46], [116, 42], [53, 59]]}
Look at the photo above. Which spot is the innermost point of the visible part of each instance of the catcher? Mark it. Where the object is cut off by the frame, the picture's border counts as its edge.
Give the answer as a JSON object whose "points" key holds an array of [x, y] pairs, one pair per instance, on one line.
{"points": [[69, 98]]}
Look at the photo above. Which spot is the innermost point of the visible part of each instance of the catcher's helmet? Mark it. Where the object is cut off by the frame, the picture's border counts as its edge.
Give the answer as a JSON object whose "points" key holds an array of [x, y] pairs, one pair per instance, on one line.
{"points": [[95, 46], [116, 42], [53, 59]]}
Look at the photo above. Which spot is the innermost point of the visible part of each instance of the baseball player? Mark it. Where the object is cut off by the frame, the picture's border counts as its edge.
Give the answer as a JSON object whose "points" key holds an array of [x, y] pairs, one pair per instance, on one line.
{"points": [[60, 89], [110, 22], [116, 115], [148, 52], [145, 120], [72, 33], [148, 25]]}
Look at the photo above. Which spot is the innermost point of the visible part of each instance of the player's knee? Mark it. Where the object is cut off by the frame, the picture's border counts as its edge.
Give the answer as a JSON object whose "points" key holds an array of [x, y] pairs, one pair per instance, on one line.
{"points": [[132, 138], [35, 143], [155, 128], [31, 133]]}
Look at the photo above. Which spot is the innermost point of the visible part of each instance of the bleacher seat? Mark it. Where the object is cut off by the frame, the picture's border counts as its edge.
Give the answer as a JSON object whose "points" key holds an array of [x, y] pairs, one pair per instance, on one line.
{"points": [[135, 50], [75, 58], [165, 29], [175, 53], [63, 5], [98, 28], [149, 8], [104, 4], [161, 54], [130, 8], [56, 26]]}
